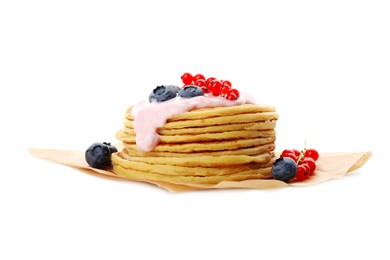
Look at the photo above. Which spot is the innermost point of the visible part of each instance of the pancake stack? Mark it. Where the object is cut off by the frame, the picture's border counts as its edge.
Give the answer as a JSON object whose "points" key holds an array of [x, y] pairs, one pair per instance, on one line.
{"points": [[204, 146]]}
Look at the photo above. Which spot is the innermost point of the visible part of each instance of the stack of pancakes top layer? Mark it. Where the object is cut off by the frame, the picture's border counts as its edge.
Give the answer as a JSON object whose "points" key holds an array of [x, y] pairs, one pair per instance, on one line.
{"points": [[206, 145]]}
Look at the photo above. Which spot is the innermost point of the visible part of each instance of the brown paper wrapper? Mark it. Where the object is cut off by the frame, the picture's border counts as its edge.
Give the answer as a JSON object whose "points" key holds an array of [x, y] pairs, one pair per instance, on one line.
{"points": [[329, 166]]}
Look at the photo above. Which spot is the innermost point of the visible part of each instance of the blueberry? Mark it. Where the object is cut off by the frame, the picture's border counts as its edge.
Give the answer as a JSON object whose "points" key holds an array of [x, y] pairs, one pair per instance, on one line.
{"points": [[98, 155], [191, 91], [163, 93], [111, 147], [284, 169]]}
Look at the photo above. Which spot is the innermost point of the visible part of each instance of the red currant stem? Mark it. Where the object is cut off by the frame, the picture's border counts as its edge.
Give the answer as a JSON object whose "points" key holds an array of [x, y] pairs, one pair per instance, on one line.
{"points": [[302, 154]]}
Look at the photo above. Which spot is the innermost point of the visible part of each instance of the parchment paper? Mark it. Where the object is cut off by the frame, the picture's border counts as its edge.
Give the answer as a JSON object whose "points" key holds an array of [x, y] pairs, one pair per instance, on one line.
{"points": [[329, 166]]}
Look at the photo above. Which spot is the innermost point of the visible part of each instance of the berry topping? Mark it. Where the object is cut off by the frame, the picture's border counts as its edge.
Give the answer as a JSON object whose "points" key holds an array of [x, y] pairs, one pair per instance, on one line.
{"points": [[187, 78], [212, 85], [200, 83], [205, 89], [199, 76], [235, 92], [98, 155], [163, 93], [209, 80], [191, 91], [231, 96], [284, 169], [226, 83], [225, 90], [215, 87]]}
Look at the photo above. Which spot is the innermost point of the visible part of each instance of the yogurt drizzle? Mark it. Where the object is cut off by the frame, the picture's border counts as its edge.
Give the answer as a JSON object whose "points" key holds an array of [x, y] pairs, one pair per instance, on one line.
{"points": [[148, 117]]}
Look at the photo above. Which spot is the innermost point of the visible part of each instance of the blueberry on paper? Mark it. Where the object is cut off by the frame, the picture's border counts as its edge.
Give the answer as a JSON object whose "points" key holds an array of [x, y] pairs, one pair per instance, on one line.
{"points": [[163, 93], [111, 147], [191, 91], [284, 169], [98, 155]]}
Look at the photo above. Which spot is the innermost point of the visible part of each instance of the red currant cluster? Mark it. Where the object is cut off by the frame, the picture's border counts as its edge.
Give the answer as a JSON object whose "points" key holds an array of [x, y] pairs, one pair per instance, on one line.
{"points": [[306, 162], [212, 85]]}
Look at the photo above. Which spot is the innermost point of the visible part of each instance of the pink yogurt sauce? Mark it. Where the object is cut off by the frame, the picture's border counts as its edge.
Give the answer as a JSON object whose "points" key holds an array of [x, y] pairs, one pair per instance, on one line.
{"points": [[148, 117]]}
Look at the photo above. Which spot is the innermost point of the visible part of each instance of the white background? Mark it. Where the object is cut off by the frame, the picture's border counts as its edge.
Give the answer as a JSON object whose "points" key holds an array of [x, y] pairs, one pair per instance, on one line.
{"points": [[69, 69]]}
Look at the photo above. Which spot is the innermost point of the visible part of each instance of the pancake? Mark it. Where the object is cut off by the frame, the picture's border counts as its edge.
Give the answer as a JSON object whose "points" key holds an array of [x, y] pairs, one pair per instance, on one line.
{"points": [[191, 138], [142, 175], [205, 146], [260, 125], [185, 171], [202, 161], [209, 146], [221, 120], [202, 113], [244, 151]]}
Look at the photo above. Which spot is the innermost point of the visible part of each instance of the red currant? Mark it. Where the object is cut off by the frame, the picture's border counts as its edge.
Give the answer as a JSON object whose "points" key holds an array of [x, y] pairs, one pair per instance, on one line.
{"points": [[302, 173], [306, 161], [231, 96], [304, 164], [215, 87], [235, 92], [225, 90], [200, 83], [311, 163], [187, 78], [286, 152], [291, 155], [205, 89], [307, 167], [226, 83], [199, 76], [209, 80], [312, 153], [297, 152]]}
